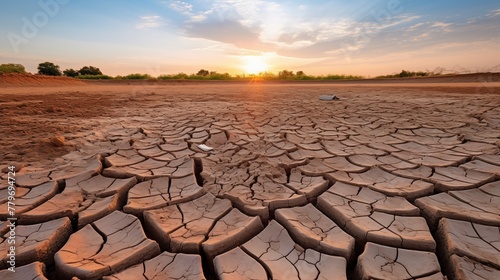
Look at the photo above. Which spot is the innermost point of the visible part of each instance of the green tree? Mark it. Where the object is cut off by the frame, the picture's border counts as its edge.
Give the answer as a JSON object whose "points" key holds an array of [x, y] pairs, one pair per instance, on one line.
{"points": [[405, 74], [181, 76], [203, 72], [12, 68], [267, 75], [90, 70], [285, 74], [70, 73], [138, 76], [49, 69], [300, 73]]}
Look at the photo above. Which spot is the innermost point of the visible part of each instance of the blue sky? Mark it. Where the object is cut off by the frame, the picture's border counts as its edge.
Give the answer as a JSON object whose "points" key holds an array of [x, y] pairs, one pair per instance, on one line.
{"points": [[365, 37]]}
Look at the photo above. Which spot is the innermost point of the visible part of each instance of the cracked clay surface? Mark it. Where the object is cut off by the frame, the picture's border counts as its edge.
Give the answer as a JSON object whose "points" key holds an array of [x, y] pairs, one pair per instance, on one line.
{"points": [[385, 183]]}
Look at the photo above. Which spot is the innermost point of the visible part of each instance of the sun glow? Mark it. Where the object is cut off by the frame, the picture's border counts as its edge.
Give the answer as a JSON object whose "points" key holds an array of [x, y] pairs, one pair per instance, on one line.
{"points": [[254, 64]]}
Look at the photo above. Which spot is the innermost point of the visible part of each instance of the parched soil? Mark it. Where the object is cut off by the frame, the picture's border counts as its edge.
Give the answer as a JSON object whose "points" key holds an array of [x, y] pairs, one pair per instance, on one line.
{"points": [[32, 115], [23, 80], [286, 186]]}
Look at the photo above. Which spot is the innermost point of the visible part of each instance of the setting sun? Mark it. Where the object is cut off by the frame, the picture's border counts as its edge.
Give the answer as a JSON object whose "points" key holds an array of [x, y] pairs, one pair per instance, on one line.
{"points": [[254, 64]]}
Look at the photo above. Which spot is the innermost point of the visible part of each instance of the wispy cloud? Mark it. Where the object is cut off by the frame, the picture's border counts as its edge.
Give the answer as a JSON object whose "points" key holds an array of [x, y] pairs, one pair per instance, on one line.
{"points": [[147, 22], [231, 33], [490, 15], [427, 30], [181, 6], [443, 26], [273, 26], [187, 9], [308, 32], [494, 13], [415, 27], [421, 37]]}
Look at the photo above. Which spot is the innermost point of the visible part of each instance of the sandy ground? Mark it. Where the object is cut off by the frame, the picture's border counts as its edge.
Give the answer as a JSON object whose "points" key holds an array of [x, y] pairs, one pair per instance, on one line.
{"points": [[34, 114], [295, 188]]}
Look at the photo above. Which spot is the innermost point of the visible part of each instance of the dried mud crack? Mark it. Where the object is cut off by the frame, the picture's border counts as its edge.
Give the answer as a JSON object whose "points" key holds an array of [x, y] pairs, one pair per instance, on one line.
{"points": [[387, 183]]}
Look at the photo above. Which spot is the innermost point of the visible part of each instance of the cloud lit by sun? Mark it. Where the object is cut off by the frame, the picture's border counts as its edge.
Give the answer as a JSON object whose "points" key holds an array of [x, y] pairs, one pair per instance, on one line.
{"points": [[254, 64]]}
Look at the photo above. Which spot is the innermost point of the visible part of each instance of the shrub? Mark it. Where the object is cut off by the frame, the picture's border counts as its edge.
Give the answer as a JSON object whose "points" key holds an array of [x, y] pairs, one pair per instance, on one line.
{"points": [[49, 69], [406, 74], [89, 70], [70, 73], [196, 77], [268, 76], [12, 68], [203, 72], [219, 76], [285, 74], [179, 76], [342, 77], [138, 76], [94, 77], [304, 77]]}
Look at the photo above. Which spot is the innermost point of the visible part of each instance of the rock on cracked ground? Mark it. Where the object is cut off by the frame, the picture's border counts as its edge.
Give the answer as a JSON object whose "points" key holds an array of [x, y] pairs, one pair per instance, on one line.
{"points": [[374, 186]]}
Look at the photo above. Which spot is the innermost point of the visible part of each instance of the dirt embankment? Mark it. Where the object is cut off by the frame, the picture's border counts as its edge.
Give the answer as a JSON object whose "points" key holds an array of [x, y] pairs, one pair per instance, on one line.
{"points": [[14, 79]]}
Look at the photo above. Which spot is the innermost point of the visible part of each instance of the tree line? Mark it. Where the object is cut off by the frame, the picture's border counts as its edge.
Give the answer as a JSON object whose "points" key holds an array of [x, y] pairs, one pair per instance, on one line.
{"points": [[51, 69], [92, 72], [409, 74]]}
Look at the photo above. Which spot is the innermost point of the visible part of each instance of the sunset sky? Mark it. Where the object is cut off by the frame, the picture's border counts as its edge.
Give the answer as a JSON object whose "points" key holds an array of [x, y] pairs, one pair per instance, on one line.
{"points": [[362, 37]]}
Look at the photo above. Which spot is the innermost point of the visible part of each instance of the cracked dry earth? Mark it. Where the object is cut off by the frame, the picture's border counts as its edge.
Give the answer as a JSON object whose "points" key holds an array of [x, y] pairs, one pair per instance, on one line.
{"points": [[387, 183]]}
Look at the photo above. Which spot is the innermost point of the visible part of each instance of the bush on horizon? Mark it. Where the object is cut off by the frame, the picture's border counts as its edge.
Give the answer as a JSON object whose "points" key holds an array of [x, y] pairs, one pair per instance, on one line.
{"points": [[49, 69], [94, 77], [304, 78], [407, 74], [89, 70], [179, 76], [135, 76], [341, 77], [203, 76], [218, 76], [12, 68], [266, 76], [70, 73], [301, 76], [209, 75], [285, 75]]}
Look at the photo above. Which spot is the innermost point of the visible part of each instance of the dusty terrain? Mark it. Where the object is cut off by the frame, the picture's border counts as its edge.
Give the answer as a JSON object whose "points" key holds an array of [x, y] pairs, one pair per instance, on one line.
{"points": [[393, 181]]}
